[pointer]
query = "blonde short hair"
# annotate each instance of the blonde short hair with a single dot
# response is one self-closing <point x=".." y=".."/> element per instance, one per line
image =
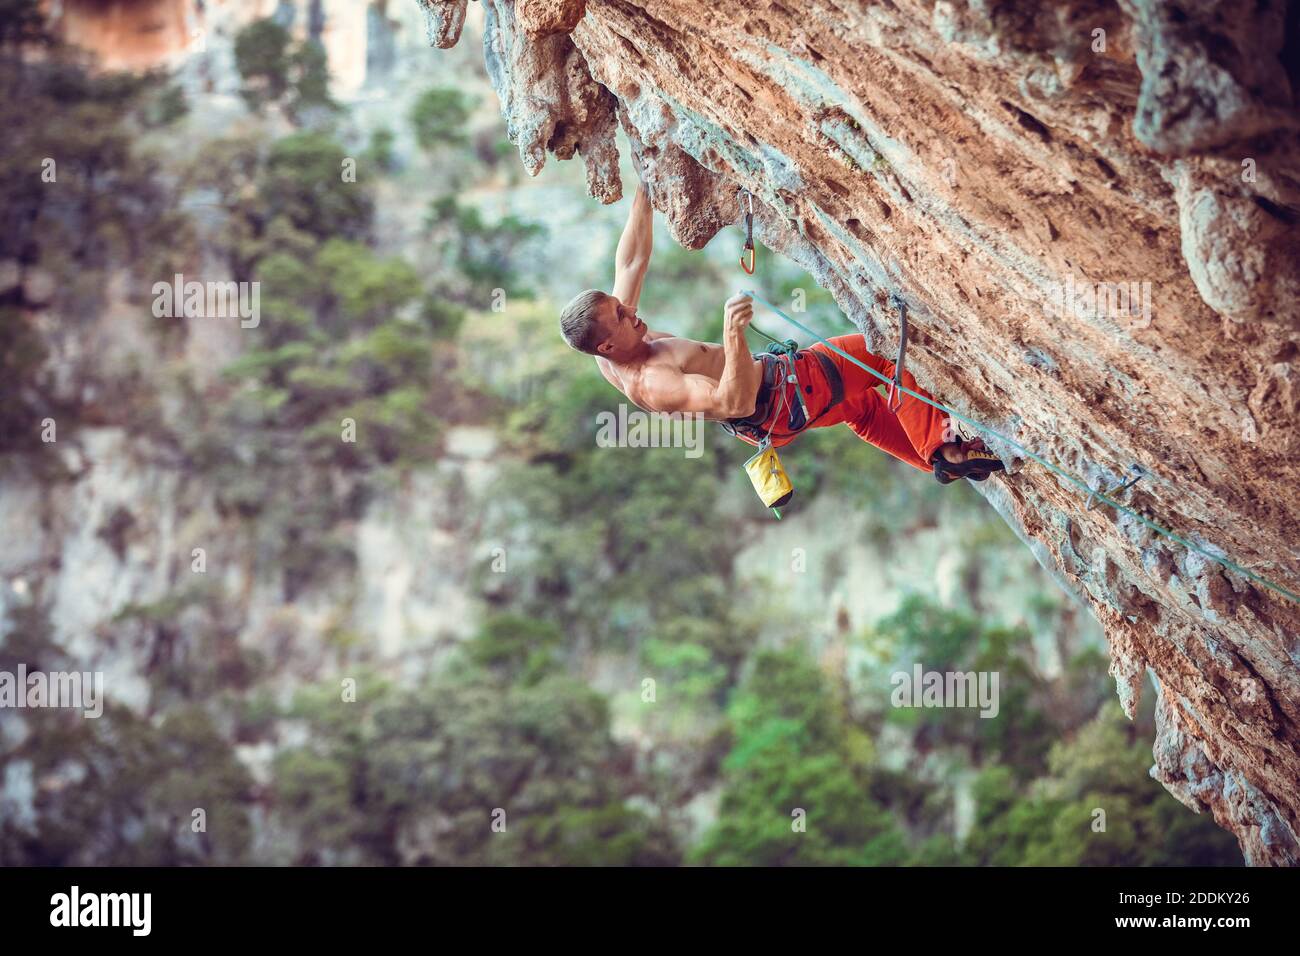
<point x="578" y="321"/>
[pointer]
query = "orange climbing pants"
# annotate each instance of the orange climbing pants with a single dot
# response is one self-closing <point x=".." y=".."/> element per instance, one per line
<point x="911" y="434"/>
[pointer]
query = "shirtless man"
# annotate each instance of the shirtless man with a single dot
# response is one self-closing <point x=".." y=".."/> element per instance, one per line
<point x="753" y="396"/>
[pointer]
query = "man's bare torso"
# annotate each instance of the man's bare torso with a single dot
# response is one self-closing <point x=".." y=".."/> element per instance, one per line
<point x="667" y="352"/>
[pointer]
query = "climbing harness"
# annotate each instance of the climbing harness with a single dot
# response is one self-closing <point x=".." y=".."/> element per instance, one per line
<point x="895" y="387"/>
<point x="785" y="355"/>
<point x="780" y="375"/>
<point x="749" y="236"/>
<point x="780" y="372"/>
<point x="764" y="468"/>
<point x="1134" y="470"/>
<point x="1104" y="497"/>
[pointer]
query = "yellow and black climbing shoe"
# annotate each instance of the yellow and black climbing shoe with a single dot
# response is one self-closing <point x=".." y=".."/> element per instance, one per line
<point x="979" y="463"/>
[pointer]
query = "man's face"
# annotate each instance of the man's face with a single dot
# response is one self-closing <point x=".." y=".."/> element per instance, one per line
<point x="621" y="327"/>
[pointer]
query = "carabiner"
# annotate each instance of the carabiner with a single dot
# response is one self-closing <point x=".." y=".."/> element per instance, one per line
<point x="748" y="247"/>
<point x="749" y="269"/>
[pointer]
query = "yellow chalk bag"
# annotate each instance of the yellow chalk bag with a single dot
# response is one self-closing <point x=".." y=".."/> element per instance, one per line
<point x="769" y="478"/>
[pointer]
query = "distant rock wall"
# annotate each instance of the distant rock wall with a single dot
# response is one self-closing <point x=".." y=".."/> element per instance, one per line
<point x="126" y="34"/>
<point x="144" y="34"/>
<point x="1012" y="170"/>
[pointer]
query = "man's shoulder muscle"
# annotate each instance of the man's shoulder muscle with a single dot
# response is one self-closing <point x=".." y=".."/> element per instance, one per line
<point x="627" y="381"/>
<point x="606" y="368"/>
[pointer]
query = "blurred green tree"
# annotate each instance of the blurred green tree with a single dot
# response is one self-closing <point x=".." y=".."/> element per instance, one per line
<point x="1058" y="820"/>
<point x="790" y="754"/>
<point x="421" y="776"/>
<point x="275" y="69"/>
<point x="439" y="117"/>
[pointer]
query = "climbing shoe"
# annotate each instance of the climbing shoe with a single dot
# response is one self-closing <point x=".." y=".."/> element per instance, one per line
<point x="979" y="464"/>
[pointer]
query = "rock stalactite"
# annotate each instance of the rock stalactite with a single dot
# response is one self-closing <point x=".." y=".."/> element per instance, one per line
<point x="1090" y="209"/>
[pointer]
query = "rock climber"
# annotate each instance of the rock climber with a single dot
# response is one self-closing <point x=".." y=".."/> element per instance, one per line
<point x="751" y="394"/>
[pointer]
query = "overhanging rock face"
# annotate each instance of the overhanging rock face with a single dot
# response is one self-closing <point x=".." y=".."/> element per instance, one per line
<point x="1020" y="173"/>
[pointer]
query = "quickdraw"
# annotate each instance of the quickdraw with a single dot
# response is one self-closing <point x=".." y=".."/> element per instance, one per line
<point x="895" y="394"/>
<point x="749" y="237"/>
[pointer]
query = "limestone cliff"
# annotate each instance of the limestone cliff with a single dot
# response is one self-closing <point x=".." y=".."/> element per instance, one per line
<point x="1003" y="167"/>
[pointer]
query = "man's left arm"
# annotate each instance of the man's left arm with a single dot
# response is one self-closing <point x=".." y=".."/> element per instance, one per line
<point x="632" y="258"/>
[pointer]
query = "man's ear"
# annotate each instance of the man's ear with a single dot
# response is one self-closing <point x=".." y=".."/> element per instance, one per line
<point x="604" y="348"/>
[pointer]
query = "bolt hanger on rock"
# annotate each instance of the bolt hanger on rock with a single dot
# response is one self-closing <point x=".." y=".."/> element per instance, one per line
<point x="1136" y="473"/>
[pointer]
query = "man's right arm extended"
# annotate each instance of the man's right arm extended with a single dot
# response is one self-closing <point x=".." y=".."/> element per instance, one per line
<point x="632" y="257"/>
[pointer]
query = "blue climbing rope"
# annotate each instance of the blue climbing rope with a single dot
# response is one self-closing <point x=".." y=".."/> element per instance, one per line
<point x="1056" y="469"/>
